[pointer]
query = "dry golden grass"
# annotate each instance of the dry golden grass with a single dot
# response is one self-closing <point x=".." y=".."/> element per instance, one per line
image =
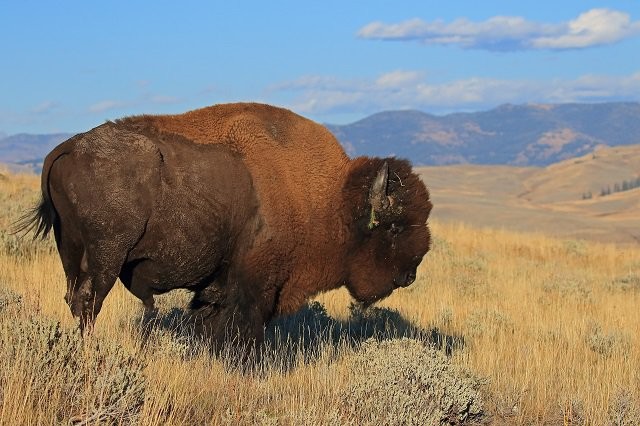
<point x="551" y="324"/>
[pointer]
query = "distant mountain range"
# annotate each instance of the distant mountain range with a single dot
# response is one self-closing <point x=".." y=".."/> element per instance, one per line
<point x="26" y="152"/>
<point x="525" y="135"/>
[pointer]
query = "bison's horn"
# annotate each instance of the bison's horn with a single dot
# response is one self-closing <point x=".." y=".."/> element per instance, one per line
<point x="378" y="194"/>
<point x="382" y="178"/>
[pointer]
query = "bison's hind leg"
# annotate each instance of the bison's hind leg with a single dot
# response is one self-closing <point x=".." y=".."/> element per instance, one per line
<point x="103" y="189"/>
<point x="91" y="265"/>
<point x="72" y="254"/>
<point x="138" y="286"/>
<point x="92" y="245"/>
<point x="99" y="270"/>
<point x="82" y="281"/>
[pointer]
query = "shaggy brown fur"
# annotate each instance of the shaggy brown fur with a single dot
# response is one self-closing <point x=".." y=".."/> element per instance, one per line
<point x="288" y="216"/>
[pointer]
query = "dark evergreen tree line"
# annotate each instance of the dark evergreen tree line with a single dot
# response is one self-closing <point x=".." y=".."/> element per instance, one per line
<point x="626" y="185"/>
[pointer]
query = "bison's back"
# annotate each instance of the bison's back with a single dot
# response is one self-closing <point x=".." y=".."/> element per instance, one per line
<point x="295" y="163"/>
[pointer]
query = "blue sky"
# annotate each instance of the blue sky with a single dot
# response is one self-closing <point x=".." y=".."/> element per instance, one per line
<point x="69" y="65"/>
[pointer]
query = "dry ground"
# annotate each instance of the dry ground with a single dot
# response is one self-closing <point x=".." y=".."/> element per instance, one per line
<point x="551" y="325"/>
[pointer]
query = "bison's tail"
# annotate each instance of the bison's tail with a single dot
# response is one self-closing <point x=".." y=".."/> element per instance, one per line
<point x="38" y="219"/>
<point x="42" y="217"/>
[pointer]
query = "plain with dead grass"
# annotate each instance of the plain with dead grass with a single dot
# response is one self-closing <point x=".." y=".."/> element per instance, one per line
<point x="500" y="327"/>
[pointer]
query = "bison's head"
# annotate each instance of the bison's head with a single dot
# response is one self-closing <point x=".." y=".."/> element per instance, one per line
<point x="389" y="207"/>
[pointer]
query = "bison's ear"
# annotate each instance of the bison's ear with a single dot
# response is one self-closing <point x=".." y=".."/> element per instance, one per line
<point x="378" y="194"/>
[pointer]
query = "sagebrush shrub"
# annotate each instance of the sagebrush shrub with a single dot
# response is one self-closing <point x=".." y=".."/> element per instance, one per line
<point x="629" y="282"/>
<point x="624" y="409"/>
<point x="487" y="322"/>
<point x="576" y="247"/>
<point x="9" y="299"/>
<point x="577" y="289"/>
<point x="606" y="343"/>
<point x="441" y="247"/>
<point x="24" y="246"/>
<point x="405" y="382"/>
<point x="306" y="326"/>
<point x="95" y="380"/>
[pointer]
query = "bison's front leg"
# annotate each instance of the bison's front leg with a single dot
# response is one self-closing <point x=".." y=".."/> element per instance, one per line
<point x="227" y="317"/>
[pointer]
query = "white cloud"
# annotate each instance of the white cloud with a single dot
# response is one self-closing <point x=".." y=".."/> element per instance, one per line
<point x="409" y="90"/>
<point x="504" y="33"/>
<point x="595" y="88"/>
<point x="398" y="78"/>
<point x="106" y="105"/>
<point x="592" y="28"/>
<point x="317" y="82"/>
<point x="44" y="107"/>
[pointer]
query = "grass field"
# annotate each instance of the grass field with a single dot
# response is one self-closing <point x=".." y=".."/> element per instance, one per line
<point x="528" y="330"/>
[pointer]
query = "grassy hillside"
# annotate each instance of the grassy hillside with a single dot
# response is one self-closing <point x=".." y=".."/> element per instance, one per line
<point x="564" y="182"/>
<point x="548" y="199"/>
<point x="529" y="330"/>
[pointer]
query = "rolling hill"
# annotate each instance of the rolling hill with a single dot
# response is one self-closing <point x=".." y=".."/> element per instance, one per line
<point x="544" y="199"/>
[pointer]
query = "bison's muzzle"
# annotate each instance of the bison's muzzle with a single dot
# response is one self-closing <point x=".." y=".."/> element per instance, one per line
<point x="406" y="279"/>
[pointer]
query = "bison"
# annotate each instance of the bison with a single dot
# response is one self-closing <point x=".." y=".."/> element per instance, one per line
<point x="252" y="207"/>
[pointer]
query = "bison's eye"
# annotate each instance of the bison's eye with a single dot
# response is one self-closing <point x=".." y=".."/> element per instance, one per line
<point x="395" y="229"/>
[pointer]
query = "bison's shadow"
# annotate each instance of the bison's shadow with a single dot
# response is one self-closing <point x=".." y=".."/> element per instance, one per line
<point x="310" y="330"/>
<point x="305" y="335"/>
